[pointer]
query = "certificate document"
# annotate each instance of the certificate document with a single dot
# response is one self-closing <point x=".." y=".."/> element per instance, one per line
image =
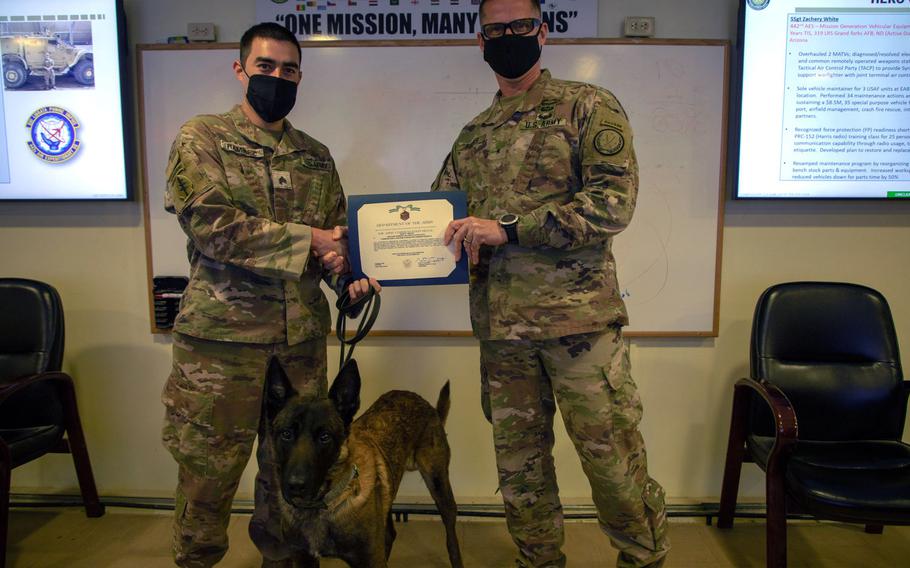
<point x="397" y="238"/>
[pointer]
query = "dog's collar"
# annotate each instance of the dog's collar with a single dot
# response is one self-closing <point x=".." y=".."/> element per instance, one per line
<point x="336" y="490"/>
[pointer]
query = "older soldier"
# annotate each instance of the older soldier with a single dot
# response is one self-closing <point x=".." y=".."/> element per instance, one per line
<point x="257" y="200"/>
<point x="551" y="176"/>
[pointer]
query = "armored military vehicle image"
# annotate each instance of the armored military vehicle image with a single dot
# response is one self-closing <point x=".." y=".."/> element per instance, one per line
<point x="24" y="56"/>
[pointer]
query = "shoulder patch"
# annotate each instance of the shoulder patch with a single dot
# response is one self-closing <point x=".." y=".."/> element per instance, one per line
<point x="609" y="142"/>
<point x="242" y="150"/>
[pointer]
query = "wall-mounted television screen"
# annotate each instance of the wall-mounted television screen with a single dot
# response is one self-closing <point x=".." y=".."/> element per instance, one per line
<point x="63" y="100"/>
<point x="825" y="99"/>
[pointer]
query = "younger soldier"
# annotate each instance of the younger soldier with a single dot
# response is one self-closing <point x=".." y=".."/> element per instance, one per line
<point x="257" y="200"/>
<point x="50" y="80"/>
<point x="551" y="176"/>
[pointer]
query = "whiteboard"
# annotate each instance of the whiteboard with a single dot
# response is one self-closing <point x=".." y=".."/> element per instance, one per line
<point x="389" y="113"/>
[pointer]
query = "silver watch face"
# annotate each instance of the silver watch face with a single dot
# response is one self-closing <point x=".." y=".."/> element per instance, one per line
<point x="508" y="219"/>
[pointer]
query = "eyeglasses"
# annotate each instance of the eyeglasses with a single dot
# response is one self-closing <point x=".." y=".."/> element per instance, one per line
<point x="522" y="26"/>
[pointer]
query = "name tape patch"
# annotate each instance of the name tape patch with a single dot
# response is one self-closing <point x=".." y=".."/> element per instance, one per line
<point x="242" y="150"/>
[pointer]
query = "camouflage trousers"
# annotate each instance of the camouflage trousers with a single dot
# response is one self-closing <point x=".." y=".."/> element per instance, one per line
<point x="213" y="401"/>
<point x="589" y="377"/>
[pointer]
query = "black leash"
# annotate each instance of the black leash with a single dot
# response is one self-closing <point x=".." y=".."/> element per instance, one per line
<point x="368" y="304"/>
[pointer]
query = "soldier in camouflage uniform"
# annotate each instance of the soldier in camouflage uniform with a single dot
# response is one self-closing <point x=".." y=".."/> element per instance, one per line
<point x="551" y="176"/>
<point x="257" y="200"/>
<point x="50" y="79"/>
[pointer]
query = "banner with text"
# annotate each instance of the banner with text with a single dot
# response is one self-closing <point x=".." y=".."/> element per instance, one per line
<point x="411" y="19"/>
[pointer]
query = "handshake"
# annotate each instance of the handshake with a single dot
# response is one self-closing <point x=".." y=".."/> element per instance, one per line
<point x="330" y="246"/>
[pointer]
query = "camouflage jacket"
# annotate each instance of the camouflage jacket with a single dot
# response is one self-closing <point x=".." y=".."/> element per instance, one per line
<point x="247" y="205"/>
<point x="560" y="157"/>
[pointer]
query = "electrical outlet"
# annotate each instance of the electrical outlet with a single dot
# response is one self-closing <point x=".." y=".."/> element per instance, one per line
<point x="639" y="26"/>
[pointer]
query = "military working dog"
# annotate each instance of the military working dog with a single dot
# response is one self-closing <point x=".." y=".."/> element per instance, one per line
<point x="338" y="479"/>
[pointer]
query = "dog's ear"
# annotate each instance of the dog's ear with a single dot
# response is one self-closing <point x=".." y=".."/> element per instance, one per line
<point x="278" y="388"/>
<point x="345" y="391"/>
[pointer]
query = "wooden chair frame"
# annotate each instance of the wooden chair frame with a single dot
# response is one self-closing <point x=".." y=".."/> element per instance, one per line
<point x="786" y="435"/>
<point x="73" y="443"/>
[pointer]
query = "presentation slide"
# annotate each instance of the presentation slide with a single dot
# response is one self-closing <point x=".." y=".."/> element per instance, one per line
<point x="825" y="99"/>
<point x="61" y="111"/>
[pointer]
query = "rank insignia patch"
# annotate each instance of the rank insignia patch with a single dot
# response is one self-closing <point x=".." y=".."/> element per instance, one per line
<point x="281" y="180"/>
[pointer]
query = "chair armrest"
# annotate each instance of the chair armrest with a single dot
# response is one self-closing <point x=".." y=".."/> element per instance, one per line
<point x="786" y="430"/>
<point x="15" y="385"/>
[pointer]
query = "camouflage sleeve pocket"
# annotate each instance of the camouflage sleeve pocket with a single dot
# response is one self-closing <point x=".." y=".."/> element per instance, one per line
<point x="187" y="426"/>
<point x="447" y="178"/>
<point x="607" y="136"/>
<point x="184" y="186"/>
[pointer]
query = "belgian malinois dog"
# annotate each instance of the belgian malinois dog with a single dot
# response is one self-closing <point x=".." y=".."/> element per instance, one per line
<point x="338" y="479"/>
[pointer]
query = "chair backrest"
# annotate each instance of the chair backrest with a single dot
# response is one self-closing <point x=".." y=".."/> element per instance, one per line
<point x="31" y="341"/>
<point x="831" y="347"/>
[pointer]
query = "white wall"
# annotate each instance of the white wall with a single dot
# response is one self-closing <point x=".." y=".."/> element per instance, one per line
<point x="95" y="255"/>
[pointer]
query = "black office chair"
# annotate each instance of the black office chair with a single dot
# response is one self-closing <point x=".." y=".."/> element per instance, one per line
<point x="823" y="412"/>
<point x="38" y="411"/>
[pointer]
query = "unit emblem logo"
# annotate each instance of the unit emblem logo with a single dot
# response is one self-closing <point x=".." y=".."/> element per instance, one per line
<point x="53" y="134"/>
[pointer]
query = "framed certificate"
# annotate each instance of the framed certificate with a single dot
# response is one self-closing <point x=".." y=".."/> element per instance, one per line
<point x="397" y="238"/>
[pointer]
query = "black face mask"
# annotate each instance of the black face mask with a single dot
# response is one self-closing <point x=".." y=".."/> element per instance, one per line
<point x="511" y="55"/>
<point x="271" y="97"/>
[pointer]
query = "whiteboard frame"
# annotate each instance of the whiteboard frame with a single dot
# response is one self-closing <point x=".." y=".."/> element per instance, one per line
<point x="722" y="178"/>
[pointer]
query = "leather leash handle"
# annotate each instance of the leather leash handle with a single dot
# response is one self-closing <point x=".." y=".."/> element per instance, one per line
<point x="369" y="304"/>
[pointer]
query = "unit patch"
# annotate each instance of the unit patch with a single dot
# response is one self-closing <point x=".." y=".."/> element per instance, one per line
<point x="53" y="133"/>
<point x="609" y="142"/>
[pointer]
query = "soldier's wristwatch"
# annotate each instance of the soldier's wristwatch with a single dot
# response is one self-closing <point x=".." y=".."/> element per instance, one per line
<point x="509" y="224"/>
